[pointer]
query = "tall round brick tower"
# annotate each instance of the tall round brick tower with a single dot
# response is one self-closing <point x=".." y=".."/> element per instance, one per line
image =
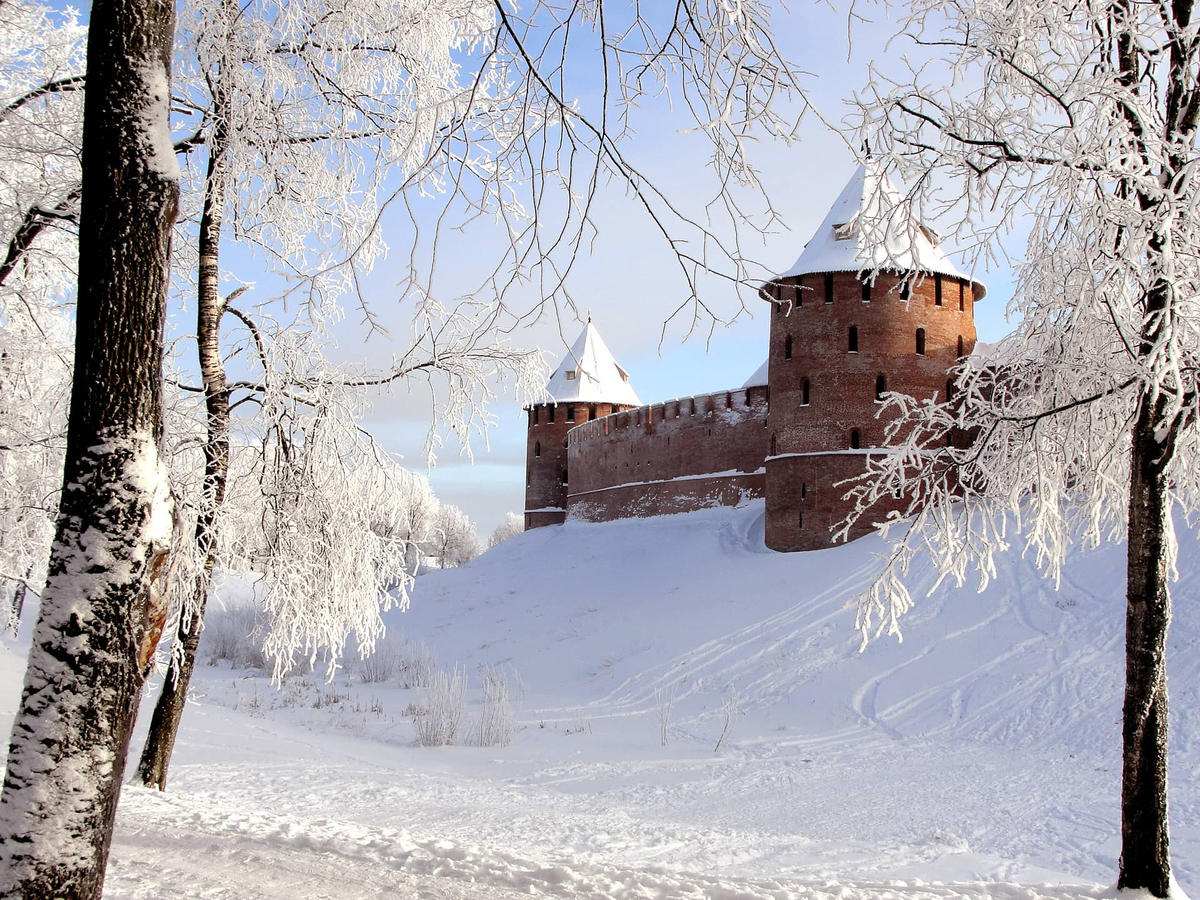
<point x="587" y="384"/>
<point x="872" y="305"/>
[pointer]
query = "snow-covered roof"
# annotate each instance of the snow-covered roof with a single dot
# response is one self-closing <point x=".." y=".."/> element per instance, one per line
<point x="590" y="374"/>
<point x="871" y="227"/>
<point x="759" y="378"/>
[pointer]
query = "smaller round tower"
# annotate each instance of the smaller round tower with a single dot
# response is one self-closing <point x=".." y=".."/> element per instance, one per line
<point x="587" y="384"/>
<point x="872" y="306"/>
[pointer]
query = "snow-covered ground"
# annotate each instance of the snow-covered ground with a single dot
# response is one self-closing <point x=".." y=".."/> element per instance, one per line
<point x="980" y="757"/>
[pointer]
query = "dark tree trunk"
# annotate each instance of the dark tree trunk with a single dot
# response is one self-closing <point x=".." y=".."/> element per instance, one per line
<point x="1145" y="843"/>
<point x="18" y="602"/>
<point x="103" y="606"/>
<point x="168" y="711"/>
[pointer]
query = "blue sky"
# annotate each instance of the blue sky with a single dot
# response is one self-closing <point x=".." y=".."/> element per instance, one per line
<point x="626" y="277"/>
<point x="627" y="282"/>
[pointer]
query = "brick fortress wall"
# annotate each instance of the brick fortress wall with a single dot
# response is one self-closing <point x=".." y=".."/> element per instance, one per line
<point x="546" y="457"/>
<point x="832" y="346"/>
<point x="669" y="457"/>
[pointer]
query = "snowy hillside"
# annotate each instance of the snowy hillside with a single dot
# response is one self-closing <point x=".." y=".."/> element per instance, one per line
<point x="984" y="748"/>
<point x="598" y="616"/>
<point x="994" y="726"/>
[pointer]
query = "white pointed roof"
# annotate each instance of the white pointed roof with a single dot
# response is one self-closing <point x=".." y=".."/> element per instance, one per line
<point x="597" y="376"/>
<point x="871" y="227"/>
<point x="759" y="378"/>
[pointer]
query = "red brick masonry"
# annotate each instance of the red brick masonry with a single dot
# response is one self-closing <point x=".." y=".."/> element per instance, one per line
<point x="833" y="346"/>
<point x="670" y="457"/>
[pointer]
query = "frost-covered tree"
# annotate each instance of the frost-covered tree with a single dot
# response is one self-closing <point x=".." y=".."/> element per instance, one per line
<point x="1080" y="120"/>
<point x="512" y="525"/>
<point x="41" y="116"/>
<point x="35" y="373"/>
<point x="299" y="113"/>
<point x="103" y="606"/>
<point x="453" y="541"/>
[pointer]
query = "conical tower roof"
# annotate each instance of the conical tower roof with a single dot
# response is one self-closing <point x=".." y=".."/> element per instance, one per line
<point x="871" y="227"/>
<point x="590" y="374"/>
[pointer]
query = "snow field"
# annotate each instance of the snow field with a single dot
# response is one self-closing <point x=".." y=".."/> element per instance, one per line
<point x="978" y="758"/>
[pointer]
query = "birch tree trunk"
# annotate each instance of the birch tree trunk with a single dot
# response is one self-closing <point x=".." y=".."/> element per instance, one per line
<point x="104" y="604"/>
<point x="168" y="711"/>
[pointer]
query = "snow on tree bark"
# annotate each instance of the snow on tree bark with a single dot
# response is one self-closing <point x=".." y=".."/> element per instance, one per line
<point x="104" y="601"/>
<point x="41" y="117"/>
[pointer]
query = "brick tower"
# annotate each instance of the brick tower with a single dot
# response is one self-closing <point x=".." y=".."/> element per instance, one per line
<point x="587" y="384"/>
<point x="872" y="305"/>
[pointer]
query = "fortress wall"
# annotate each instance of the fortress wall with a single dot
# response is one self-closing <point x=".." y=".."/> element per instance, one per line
<point x="804" y="499"/>
<point x="666" y="497"/>
<point x="842" y="382"/>
<point x="811" y="433"/>
<point x="546" y="457"/>
<point x="646" y="461"/>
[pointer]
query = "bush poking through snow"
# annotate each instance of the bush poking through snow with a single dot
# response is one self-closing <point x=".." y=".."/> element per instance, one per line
<point x="234" y="633"/>
<point x="417" y="665"/>
<point x="441" y="714"/>
<point x="496" y="722"/>
<point x="729" y="711"/>
<point x="664" y="697"/>
<point x="381" y="664"/>
<point x="395" y="658"/>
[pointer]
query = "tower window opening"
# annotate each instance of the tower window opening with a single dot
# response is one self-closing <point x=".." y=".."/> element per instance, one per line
<point x="880" y="387"/>
<point x="591" y="411"/>
<point x="962" y="297"/>
<point x="565" y="440"/>
<point x="960" y="347"/>
<point x="550" y="411"/>
<point x="535" y="415"/>
<point x="905" y="291"/>
<point x="537" y="448"/>
<point x="949" y="389"/>
<point x="528" y="478"/>
<point x="774" y="445"/>
<point x="866" y="290"/>
<point x="853" y="338"/>
<point x="855" y="440"/>
<point x="803" y="490"/>
<point x="787" y="347"/>
<point x="920" y="342"/>
<point x="564" y="476"/>
<point x="828" y="287"/>
<point x="799" y="520"/>
<point x="728" y="400"/>
<point x="804" y="393"/>
<point x="937" y="290"/>
<point x="570" y="413"/>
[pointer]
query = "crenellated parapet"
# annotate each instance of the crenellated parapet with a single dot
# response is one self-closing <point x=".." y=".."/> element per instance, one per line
<point x="680" y="455"/>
